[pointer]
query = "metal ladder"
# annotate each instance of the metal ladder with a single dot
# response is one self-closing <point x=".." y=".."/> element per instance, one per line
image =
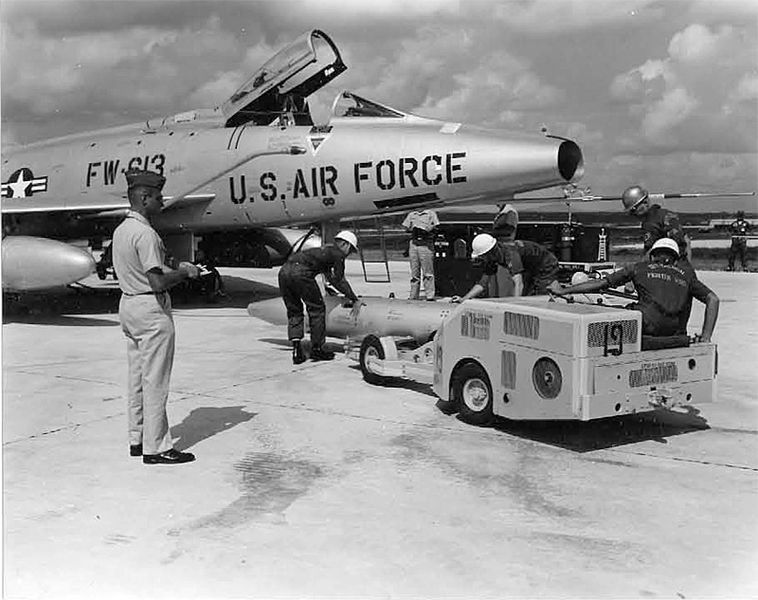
<point x="376" y="268"/>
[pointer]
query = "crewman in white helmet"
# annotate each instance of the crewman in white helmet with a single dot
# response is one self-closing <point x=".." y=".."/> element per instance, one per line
<point x="530" y="265"/>
<point x="665" y="287"/>
<point x="297" y="283"/>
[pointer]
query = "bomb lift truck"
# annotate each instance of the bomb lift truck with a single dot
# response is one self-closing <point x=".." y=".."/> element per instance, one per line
<point x="543" y="359"/>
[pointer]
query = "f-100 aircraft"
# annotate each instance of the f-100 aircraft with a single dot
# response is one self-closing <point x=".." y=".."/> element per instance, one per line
<point x="239" y="174"/>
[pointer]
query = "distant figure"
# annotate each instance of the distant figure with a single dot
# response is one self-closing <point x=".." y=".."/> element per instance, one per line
<point x="739" y="229"/>
<point x="505" y="223"/>
<point x="105" y="264"/>
<point x="421" y="225"/>
<point x="657" y="222"/>
<point x="139" y="258"/>
<point x="297" y="283"/>
<point x="211" y="283"/>
<point x="665" y="287"/>
<point x="504" y="227"/>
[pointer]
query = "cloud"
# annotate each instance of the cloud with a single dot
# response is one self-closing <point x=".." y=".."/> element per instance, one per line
<point x="701" y="96"/>
<point x="497" y="92"/>
<point x="451" y="73"/>
<point x="141" y="70"/>
<point x="554" y="16"/>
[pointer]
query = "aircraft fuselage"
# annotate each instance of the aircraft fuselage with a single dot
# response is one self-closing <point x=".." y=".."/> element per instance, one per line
<point x="348" y="168"/>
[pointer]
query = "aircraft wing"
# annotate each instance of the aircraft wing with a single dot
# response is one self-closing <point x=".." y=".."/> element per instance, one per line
<point x="116" y="208"/>
<point x="25" y="208"/>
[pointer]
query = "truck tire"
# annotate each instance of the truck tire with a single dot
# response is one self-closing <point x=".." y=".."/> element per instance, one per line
<point x="472" y="393"/>
<point x="371" y="347"/>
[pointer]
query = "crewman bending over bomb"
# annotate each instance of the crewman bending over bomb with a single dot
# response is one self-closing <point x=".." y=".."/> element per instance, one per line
<point x="297" y="283"/>
<point x="531" y="265"/>
<point x="665" y="286"/>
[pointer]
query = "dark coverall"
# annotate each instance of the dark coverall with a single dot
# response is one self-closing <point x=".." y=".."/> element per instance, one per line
<point x="665" y="292"/>
<point x="297" y="283"/>
<point x="540" y="267"/>
<point x="739" y="229"/>
<point x="658" y="223"/>
<point x="497" y="278"/>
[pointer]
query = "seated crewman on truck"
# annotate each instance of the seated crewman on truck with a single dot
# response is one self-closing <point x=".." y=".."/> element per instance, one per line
<point x="665" y="285"/>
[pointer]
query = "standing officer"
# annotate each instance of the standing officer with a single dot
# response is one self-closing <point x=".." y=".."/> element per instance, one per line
<point x="739" y="229"/>
<point x="421" y="225"/>
<point x="665" y="287"/>
<point x="145" y="313"/>
<point x="297" y="283"/>
<point x="656" y="221"/>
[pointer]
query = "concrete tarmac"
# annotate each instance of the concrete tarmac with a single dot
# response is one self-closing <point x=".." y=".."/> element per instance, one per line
<point x="311" y="483"/>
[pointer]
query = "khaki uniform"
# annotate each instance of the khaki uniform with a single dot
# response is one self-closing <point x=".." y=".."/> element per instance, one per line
<point x="421" y="224"/>
<point x="149" y="329"/>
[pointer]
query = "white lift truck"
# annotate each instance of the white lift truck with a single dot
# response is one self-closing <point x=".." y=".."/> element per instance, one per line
<point x="543" y="359"/>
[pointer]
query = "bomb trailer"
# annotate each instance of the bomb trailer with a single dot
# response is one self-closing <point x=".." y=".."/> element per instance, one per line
<point x="537" y="358"/>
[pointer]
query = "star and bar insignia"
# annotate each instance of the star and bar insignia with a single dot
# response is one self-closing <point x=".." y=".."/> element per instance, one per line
<point x="23" y="184"/>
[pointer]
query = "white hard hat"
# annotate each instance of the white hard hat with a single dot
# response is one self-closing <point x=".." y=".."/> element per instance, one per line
<point x="482" y="244"/>
<point x="666" y="244"/>
<point x="349" y="237"/>
<point x="579" y="277"/>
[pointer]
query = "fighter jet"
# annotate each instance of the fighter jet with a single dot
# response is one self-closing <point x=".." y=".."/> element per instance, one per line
<point x="240" y="173"/>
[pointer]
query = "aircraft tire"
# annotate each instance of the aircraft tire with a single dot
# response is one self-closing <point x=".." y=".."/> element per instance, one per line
<point x="472" y="392"/>
<point x="371" y="347"/>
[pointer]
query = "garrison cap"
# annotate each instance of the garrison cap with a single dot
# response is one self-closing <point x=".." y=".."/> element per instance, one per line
<point x="136" y="177"/>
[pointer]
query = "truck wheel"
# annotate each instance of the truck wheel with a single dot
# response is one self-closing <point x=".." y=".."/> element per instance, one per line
<point x="473" y="394"/>
<point x="371" y="347"/>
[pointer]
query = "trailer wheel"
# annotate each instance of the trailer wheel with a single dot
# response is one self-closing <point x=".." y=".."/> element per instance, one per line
<point x="371" y="347"/>
<point x="473" y="394"/>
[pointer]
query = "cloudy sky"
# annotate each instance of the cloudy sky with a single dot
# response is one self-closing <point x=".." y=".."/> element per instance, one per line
<point x="663" y="93"/>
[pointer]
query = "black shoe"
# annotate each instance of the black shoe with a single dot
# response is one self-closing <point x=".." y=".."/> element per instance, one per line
<point x="318" y="353"/>
<point x="298" y="356"/>
<point x="169" y="457"/>
<point x="135" y="450"/>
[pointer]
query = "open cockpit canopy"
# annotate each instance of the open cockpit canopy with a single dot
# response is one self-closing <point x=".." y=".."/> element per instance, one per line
<point x="285" y="81"/>
<point x="348" y="104"/>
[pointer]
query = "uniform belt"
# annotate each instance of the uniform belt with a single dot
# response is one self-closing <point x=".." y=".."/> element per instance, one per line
<point x="145" y="293"/>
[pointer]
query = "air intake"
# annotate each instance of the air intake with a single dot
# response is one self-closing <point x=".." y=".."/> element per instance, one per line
<point x="508" y="369"/>
<point x="602" y="334"/>
<point x="520" y="325"/>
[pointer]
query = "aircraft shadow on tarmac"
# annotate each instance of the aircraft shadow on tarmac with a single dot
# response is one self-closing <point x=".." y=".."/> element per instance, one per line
<point x="55" y="306"/>
<point x="205" y="422"/>
<point x="611" y="432"/>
